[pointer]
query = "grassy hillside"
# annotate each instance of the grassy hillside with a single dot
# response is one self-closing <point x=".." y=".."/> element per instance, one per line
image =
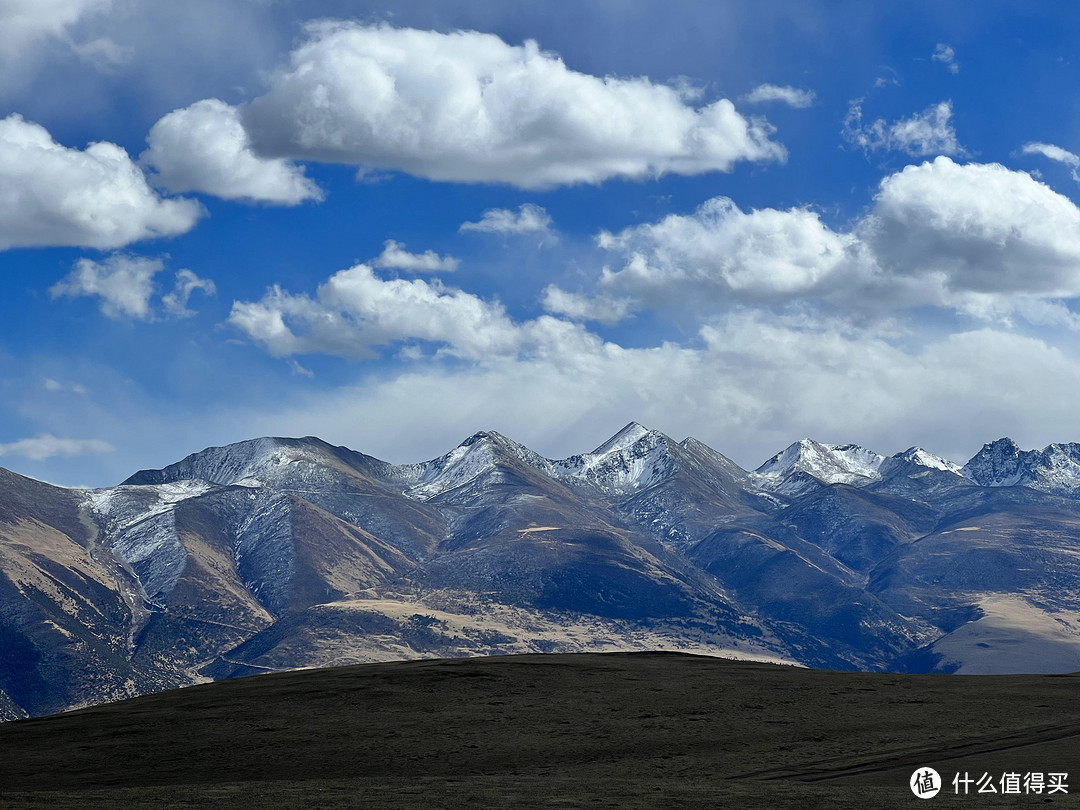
<point x="616" y="730"/>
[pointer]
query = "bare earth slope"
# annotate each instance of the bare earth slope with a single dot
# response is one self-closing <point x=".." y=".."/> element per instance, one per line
<point x="620" y="730"/>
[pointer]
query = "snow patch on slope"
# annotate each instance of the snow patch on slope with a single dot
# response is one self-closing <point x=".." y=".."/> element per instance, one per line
<point x="140" y="526"/>
<point x="120" y="507"/>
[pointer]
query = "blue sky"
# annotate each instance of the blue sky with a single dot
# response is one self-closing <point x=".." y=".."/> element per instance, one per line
<point x="394" y="224"/>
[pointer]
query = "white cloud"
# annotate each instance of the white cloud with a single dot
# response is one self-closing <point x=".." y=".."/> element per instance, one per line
<point x="24" y="22"/>
<point x="1055" y="153"/>
<point x="720" y="253"/>
<point x="529" y="218"/>
<point x="125" y="285"/>
<point x="204" y="148"/>
<point x="469" y="107"/>
<point x="579" y="307"/>
<point x="922" y="135"/>
<point x="299" y="371"/>
<point x="395" y="256"/>
<point x="786" y="94"/>
<point x="104" y="54"/>
<point x="973" y="235"/>
<point x="355" y="311"/>
<point x="47" y="446"/>
<point x="56" y="386"/>
<point x="753" y="385"/>
<point x="978" y="238"/>
<point x="98" y="197"/>
<point x="945" y="54"/>
<point x="175" y="303"/>
<point x="549" y="377"/>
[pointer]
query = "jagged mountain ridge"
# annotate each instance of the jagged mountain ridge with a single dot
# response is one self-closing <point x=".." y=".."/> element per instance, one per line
<point x="273" y="553"/>
<point x="1055" y="468"/>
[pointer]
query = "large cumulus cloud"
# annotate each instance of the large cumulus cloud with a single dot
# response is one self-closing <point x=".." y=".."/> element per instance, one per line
<point x="468" y="107"/>
<point x="721" y="252"/>
<point x="97" y="197"/>
<point x="355" y="311"/>
<point x="204" y="148"/>
<point x="976" y="230"/>
<point x="978" y="238"/>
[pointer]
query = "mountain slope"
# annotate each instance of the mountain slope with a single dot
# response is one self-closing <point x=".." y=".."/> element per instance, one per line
<point x="65" y="606"/>
<point x="276" y="553"/>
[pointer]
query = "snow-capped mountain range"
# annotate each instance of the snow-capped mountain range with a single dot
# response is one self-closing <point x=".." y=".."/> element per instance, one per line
<point x="275" y="553"/>
<point x="633" y="459"/>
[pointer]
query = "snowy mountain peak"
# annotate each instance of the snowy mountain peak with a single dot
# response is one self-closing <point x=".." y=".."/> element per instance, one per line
<point x="479" y="454"/>
<point x="690" y="443"/>
<point x="500" y="445"/>
<point x="632" y="459"/>
<point x="484" y="436"/>
<point x="924" y="458"/>
<point x="238" y="463"/>
<point x="919" y="474"/>
<point x="828" y="463"/>
<point x="1000" y="463"/>
<point x="473" y="457"/>
<point x="1055" y="468"/>
<point x="624" y="439"/>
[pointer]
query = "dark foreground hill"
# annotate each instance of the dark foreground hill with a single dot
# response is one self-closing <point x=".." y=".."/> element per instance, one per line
<point x="618" y="730"/>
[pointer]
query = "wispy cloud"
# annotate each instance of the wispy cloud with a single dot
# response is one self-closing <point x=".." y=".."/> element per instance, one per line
<point x="529" y="218"/>
<point x="578" y="307"/>
<point x="1055" y="153"/>
<point x="176" y="302"/>
<point x="792" y="96"/>
<point x="396" y="257"/>
<point x="945" y="54"/>
<point x="124" y="284"/>
<point x="46" y="446"/>
<point x="56" y="386"/>
<point x="924" y="134"/>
